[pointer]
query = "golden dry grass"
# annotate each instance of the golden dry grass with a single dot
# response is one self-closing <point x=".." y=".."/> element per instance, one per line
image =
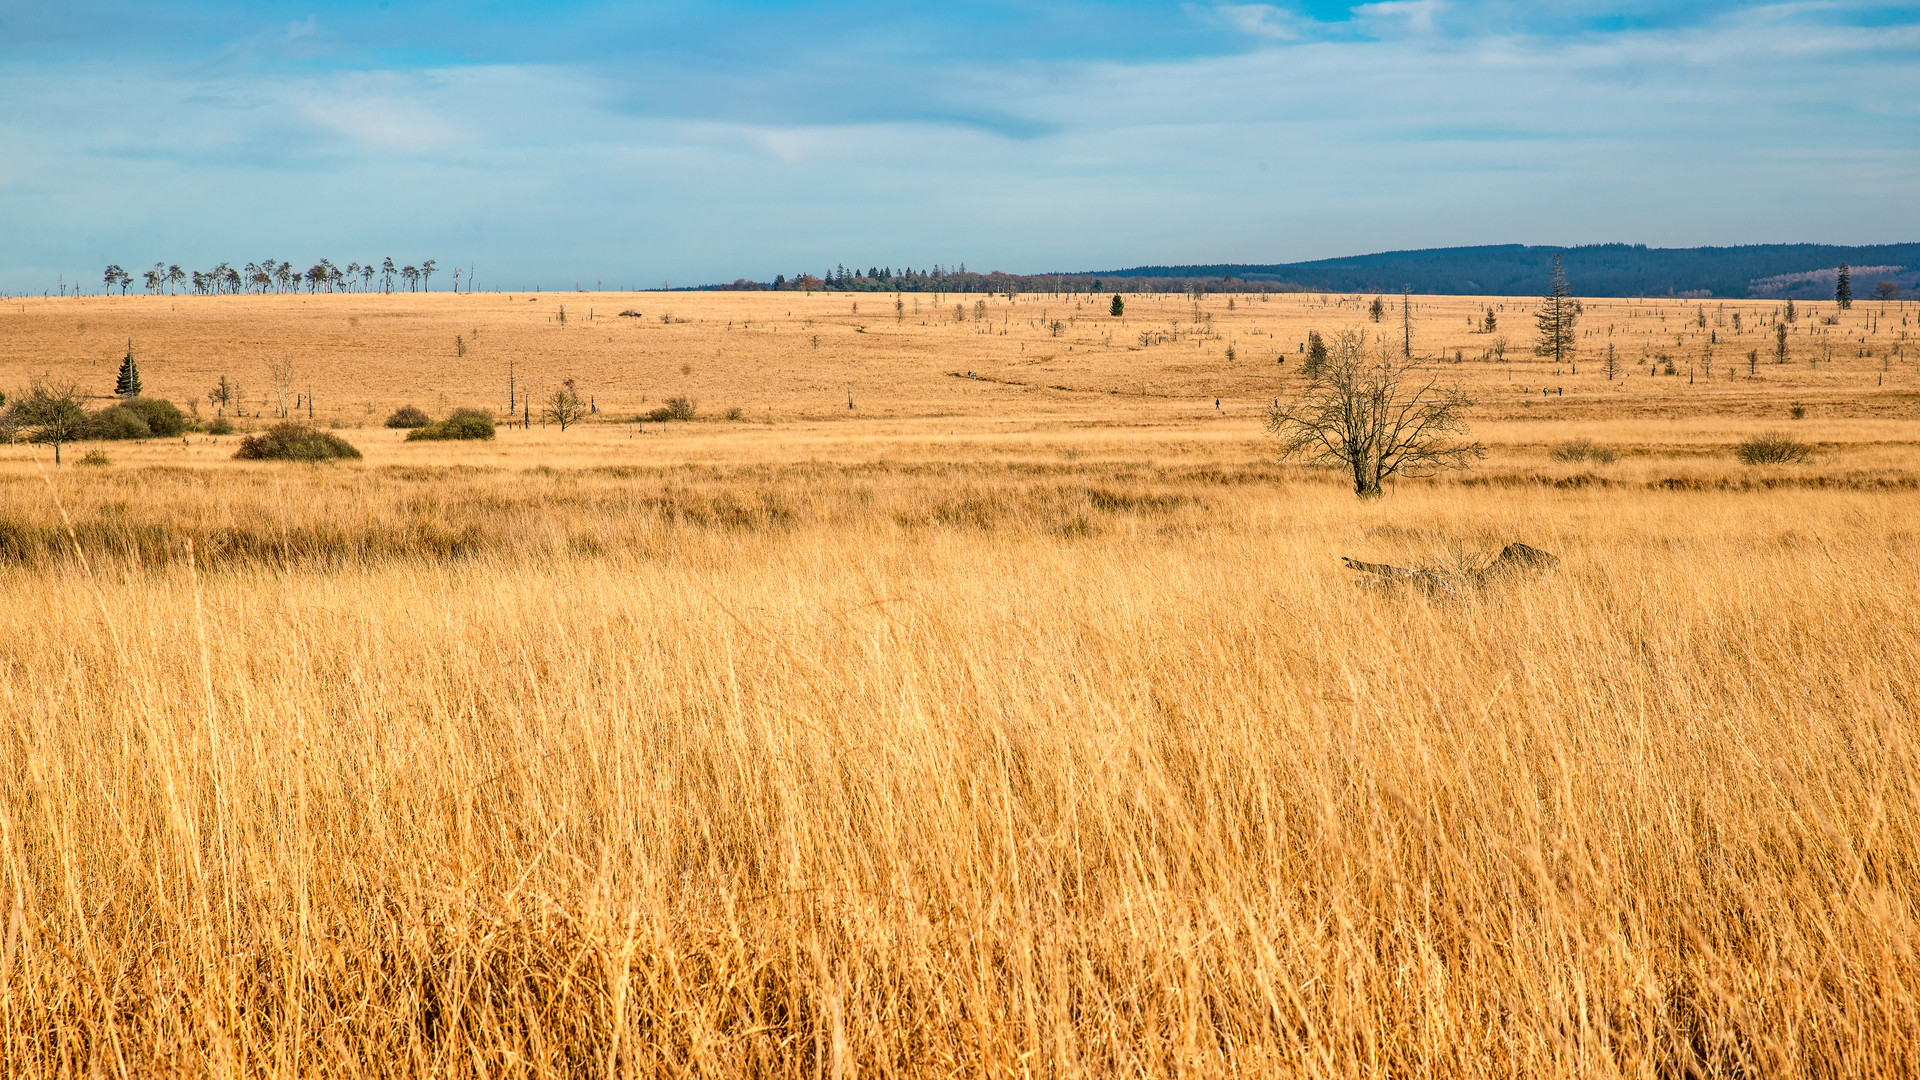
<point x="993" y="731"/>
<point x="799" y="356"/>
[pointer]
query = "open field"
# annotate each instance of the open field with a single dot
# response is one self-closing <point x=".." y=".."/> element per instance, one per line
<point x="982" y="728"/>
<point x="797" y="356"/>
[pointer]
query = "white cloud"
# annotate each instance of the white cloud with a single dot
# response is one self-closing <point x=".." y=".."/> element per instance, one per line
<point x="1259" y="20"/>
<point x="1399" y="16"/>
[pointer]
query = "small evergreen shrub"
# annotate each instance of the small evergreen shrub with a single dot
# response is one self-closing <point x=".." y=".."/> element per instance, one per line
<point x="408" y="416"/>
<point x="163" y="417"/>
<point x="463" y="424"/>
<point x="116" y="422"/>
<point x="220" y="426"/>
<point x="294" y="442"/>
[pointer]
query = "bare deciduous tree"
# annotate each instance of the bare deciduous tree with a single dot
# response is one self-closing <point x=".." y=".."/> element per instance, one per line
<point x="564" y="406"/>
<point x="282" y="372"/>
<point x="1378" y="416"/>
<point x="50" y="413"/>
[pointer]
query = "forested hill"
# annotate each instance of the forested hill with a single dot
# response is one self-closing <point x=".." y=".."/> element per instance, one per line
<point x="1765" y="271"/>
<point x="1760" y="270"/>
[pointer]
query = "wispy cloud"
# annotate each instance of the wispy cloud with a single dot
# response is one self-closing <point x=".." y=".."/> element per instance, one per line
<point x="1259" y="20"/>
<point x="1400" y="16"/>
<point x="701" y="143"/>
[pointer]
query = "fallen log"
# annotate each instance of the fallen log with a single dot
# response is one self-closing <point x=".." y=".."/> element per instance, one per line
<point x="1514" y="560"/>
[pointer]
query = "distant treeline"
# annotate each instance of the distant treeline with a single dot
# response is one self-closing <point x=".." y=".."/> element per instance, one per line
<point x="1770" y="271"/>
<point x="961" y="280"/>
<point x="1757" y="270"/>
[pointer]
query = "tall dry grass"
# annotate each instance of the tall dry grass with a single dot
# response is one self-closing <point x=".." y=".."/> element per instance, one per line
<point x="908" y="769"/>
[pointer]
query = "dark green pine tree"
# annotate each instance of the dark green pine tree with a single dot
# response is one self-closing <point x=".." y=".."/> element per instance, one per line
<point x="1556" y="316"/>
<point x="1118" y="307"/>
<point x="128" y="385"/>
<point x="1843" y="288"/>
<point x="1316" y="354"/>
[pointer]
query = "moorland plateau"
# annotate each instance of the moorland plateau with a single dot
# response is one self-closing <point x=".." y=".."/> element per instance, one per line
<point x="966" y="690"/>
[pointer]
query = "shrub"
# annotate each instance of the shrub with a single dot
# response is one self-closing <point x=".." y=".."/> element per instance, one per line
<point x="1583" y="450"/>
<point x="95" y="458"/>
<point x="220" y="426"/>
<point x="163" y="417"/>
<point x="407" y="416"/>
<point x="736" y="414"/>
<point x="294" y="442"/>
<point x="676" y="408"/>
<point x="116" y="422"/>
<point x="463" y="424"/>
<point x="1797" y="412"/>
<point x="1772" y="448"/>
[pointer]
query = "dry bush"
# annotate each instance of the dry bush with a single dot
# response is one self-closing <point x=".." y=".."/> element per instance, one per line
<point x="1573" y="450"/>
<point x="1772" y="448"/>
<point x="460" y="424"/>
<point x="409" y="416"/>
<point x="294" y="442"/>
<point x="675" y="408"/>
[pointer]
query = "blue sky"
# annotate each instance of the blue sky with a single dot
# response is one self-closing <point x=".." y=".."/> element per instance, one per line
<point x="633" y="144"/>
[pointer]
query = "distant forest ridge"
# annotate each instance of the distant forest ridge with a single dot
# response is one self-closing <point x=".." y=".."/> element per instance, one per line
<point x="1763" y="271"/>
<point x="1768" y="271"/>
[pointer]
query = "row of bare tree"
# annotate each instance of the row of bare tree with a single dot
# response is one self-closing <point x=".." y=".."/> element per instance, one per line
<point x="280" y="277"/>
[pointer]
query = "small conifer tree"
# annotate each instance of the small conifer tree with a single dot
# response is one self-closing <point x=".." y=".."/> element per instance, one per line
<point x="1843" y="288"/>
<point x="128" y="385"/>
<point x="1316" y="354"/>
<point x="1555" y="318"/>
<point x="1118" y="307"/>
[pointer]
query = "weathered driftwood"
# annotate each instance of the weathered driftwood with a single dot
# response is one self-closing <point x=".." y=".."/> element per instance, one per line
<point x="1514" y="559"/>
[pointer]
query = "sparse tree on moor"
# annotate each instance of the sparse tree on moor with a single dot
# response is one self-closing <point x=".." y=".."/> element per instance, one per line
<point x="128" y="384"/>
<point x="1556" y="315"/>
<point x="564" y="406"/>
<point x="1843" y="287"/>
<point x="1316" y="354"/>
<point x="1376" y="415"/>
<point x="50" y="413"/>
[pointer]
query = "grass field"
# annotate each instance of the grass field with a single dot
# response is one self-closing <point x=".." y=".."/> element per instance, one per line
<point x="984" y="728"/>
